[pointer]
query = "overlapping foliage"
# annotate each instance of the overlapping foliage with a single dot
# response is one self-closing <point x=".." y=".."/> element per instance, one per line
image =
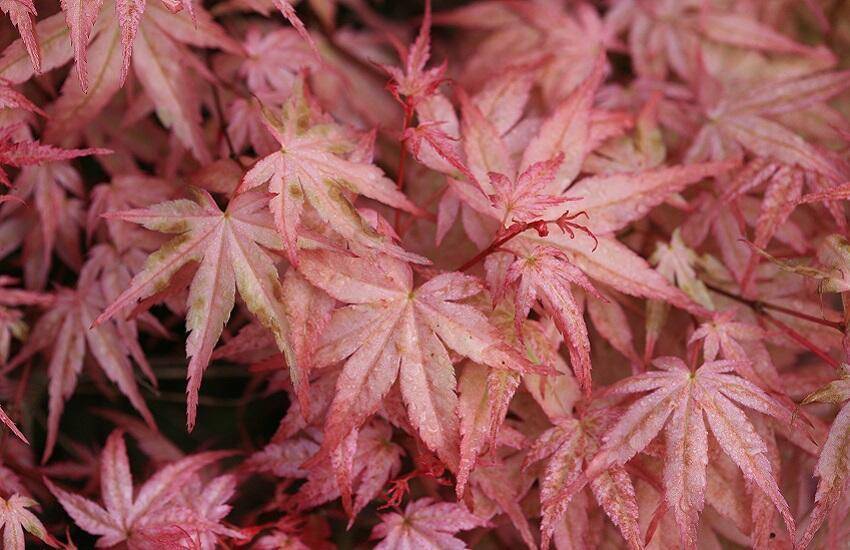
<point x="489" y="274"/>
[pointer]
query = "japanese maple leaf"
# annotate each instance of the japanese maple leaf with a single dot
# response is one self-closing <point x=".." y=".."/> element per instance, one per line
<point x="563" y="43"/>
<point x="15" y="518"/>
<point x="309" y="166"/>
<point x="832" y="467"/>
<point x="666" y="35"/>
<point x="63" y="334"/>
<point x="49" y="215"/>
<point x="551" y="160"/>
<point x="436" y="148"/>
<point x="770" y="215"/>
<point x="230" y="248"/>
<point x="362" y="466"/>
<point x="246" y="126"/>
<point x="274" y="60"/>
<point x="750" y="118"/>
<point x="206" y="503"/>
<point x="11" y="323"/>
<point x="156" y="42"/>
<point x="727" y="223"/>
<point x="547" y="273"/>
<point x="725" y="338"/>
<point x="18" y="153"/>
<point x="125" y="192"/>
<point x="414" y="83"/>
<point x="426" y="525"/>
<point x="676" y="261"/>
<point x="682" y="401"/>
<point x="22" y="14"/>
<point x="523" y="199"/>
<point x="284" y="458"/>
<point x="569" y="446"/>
<point x="128" y="16"/>
<point x="357" y="471"/>
<point x="153" y="515"/>
<point x="393" y="331"/>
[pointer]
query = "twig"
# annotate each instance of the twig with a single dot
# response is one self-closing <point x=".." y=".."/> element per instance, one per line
<point x="223" y="128"/>
<point x="759" y="306"/>
<point x="802" y="340"/>
<point x="541" y="226"/>
<point x="408" y="117"/>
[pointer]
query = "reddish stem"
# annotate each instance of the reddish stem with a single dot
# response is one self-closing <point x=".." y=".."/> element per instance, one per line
<point x="408" y="117"/>
<point x="806" y="317"/>
<point x="511" y="232"/>
<point x="759" y="306"/>
<point x="564" y="222"/>
<point x="428" y="203"/>
<point x="222" y="129"/>
<point x="802" y="340"/>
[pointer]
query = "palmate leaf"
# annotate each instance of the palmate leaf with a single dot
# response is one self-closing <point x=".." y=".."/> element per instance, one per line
<point x="680" y="402"/>
<point x="750" y="119"/>
<point x="569" y="446"/>
<point x="832" y="466"/>
<point x="15" y="518"/>
<point x="547" y="274"/>
<point x="231" y="249"/>
<point x="62" y="334"/>
<point x="309" y="169"/>
<point x="425" y="524"/>
<point x="155" y="43"/>
<point x="127" y="17"/>
<point x="392" y="331"/>
<point x="357" y="472"/>
<point x="22" y="14"/>
<point x="154" y="511"/>
<point x="413" y="83"/>
<point x="18" y="153"/>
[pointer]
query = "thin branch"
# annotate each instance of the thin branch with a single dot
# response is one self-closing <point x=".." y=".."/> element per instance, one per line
<point x="408" y="117"/>
<point x="564" y="222"/>
<point x="223" y="128"/>
<point x="760" y="306"/>
<point x="802" y="340"/>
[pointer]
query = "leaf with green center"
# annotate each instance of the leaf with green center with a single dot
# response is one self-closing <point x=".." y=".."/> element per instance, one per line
<point x="231" y="249"/>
